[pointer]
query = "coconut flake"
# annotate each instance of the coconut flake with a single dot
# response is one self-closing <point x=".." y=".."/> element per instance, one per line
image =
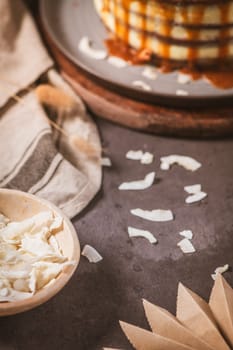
<point x="147" y="158"/>
<point x="36" y="246"/>
<point x="91" y="254"/>
<point x="186" y="246"/>
<point x="85" y="47"/>
<point x="44" y="219"/>
<point x="14" y="295"/>
<point x="4" y="292"/>
<point x="197" y="197"/>
<point x="184" y="161"/>
<point x="134" y="232"/>
<point x="8" y="253"/>
<point x="57" y="224"/>
<point x="32" y="281"/>
<point x="46" y="271"/>
<point x="150" y="73"/>
<point x="139" y="185"/>
<point x="20" y="270"/>
<point x="134" y="155"/>
<point x="193" y="189"/>
<point x="220" y="270"/>
<point x="117" y="62"/>
<point x="142" y="85"/>
<point x="187" y="234"/>
<point x="15" y="230"/>
<point x="165" y="166"/>
<point x="106" y="162"/>
<point x="54" y="245"/>
<point x="21" y="285"/>
<point x="157" y="215"/>
<point x="183" y="78"/>
<point x="180" y="92"/>
<point x="3" y="221"/>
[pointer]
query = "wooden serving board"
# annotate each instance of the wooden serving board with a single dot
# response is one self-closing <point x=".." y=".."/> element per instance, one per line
<point x="111" y="105"/>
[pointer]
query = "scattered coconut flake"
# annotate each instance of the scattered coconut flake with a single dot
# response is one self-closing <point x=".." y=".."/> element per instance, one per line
<point x="197" y="197"/>
<point x="220" y="270"/>
<point x="165" y="166"/>
<point x="184" y="161"/>
<point x="147" y="158"/>
<point x="180" y="92"/>
<point x="142" y="85"/>
<point x="193" y="189"/>
<point x="117" y="62"/>
<point x="139" y="185"/>
<point x="184" y="78"/>
<point x="134" y="232"/>
<point x="187" y="234"/>
<point x="91" y="254"/>
<point x="186" y="246"/>
<point x="157" y="215"/>
<point x="106" y="162"/>
<point x="150" y="73"/>
<point x="85" y="47"/>
<point x="134" y="155"/>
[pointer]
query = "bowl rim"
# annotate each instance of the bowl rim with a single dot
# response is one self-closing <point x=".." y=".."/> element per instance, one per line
<point x="43" y="295"/>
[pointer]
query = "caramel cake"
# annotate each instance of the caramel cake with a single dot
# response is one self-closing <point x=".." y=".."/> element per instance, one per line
<point x="184" y="32"/>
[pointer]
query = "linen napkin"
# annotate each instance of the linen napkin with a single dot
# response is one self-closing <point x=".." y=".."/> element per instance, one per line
<point x="47" y="157"/>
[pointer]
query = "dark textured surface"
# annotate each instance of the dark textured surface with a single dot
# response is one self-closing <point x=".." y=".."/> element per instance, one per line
<point x="84" y="316"/>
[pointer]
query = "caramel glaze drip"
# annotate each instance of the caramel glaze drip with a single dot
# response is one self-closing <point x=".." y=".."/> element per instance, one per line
<point x="222" y="78"/>
<point x="115" y="13"/>
<point x="144" y="28"/>
<point x="193" y="35"/>
<point x="166" y="29"/>
<point x="126" y="19"/>
<point x="119" y="46"/>
<point x="105" y="7"/>
<point x="223" y="50"/>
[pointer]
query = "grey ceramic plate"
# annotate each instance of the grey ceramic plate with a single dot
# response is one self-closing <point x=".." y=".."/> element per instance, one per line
<point x="67" y="21"/>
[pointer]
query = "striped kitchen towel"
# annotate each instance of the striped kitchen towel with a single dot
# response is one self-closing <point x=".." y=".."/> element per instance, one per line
<point x="37" y="159"/>
<point x="59" y="158"/>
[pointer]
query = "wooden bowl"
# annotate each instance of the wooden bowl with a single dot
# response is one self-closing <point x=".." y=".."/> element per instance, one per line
<point x="17" y="206"/>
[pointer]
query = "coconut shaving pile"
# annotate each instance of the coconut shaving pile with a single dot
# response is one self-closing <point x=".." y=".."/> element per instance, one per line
<point x="30" y="255"/>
